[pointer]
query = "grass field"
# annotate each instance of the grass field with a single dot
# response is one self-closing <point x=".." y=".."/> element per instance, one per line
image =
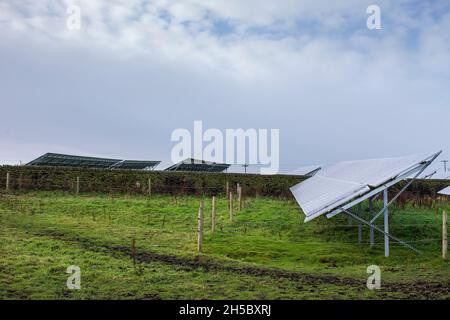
<point x="267" y="252"/>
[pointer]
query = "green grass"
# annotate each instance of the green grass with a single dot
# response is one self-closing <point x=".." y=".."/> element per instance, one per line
<point x="267" y="252"/>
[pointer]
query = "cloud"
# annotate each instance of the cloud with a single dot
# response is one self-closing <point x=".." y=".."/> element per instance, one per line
<point x="139" y="69"/>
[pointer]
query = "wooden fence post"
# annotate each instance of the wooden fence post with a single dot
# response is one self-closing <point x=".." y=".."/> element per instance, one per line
<point x="444" y="235"/>
<point x="78" y="186"/>
<point x="200" y="228"/>
<point x="7" y="181"/>
<point x="231" y="206"/>
<point x="227" y="187"/>
<point x="149" y="186"/>
<point x="239" y="190"/>
<point x="133" y="252"/>
<point x="213" y="214"/>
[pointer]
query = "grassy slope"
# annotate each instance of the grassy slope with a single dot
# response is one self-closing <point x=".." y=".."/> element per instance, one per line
<point x="42" y="233"/>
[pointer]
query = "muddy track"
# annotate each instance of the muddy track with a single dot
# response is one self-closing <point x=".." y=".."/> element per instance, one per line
<point x="410" y="290"/>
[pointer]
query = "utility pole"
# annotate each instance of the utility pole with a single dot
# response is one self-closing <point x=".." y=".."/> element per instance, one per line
<point x="445" y="165"/>
<point x="245" y="165"/>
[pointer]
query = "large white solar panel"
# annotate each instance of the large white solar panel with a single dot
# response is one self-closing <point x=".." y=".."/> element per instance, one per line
<point x="306" y="170"/>
<point x="435" y="173"/>
<point x="445" y="191"/>
<point x="336" y="185"/>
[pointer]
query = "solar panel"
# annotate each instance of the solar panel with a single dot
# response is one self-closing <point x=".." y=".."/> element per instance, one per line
<point x="307" y="171"/>
<point x="338" y="184"/>
<point x="445" y="192"/>
<point x="65" y="160"/>
<point x="194" y="165"/>
<point x="135" y="165"/>
<point x="435" y="174"/>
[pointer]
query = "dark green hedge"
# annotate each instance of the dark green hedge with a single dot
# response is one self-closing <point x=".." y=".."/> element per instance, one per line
<point x="129" y="181"/>
<point x="177" y="183"/>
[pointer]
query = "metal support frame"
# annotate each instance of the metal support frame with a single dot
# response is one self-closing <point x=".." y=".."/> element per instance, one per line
<point x="399" y="193"/>
<point x="372" y="230"/>
<point x="380" y="230"/>
<point x="359" y="225"/>
<point x="386" y="222"/>
<point x="373" y="227"/>
<point x="371" y="195"/>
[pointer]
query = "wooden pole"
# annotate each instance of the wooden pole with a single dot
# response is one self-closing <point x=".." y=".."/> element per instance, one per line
<point x="227" y="192"/>
<point x="133" y="252"/>
<point x="200" y="228"/>
<point x="444" y="236"/>
<point x="213" y="214"/>
<point x="78" y="185"/>
<point x="7" y="181"/>
<point x="149" y="186"/>
<point x="239" y="190"/>
<point x="231" y="206"/>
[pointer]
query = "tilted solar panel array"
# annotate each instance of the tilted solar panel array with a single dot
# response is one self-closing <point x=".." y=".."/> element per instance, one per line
<point x="338" y="184"/>
<point x="64" y="160"/>
<point x="194" y="165"/>
<point x="445" y="192"/>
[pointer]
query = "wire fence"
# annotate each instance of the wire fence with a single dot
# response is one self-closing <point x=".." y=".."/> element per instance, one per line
<point x="165" y="223"/>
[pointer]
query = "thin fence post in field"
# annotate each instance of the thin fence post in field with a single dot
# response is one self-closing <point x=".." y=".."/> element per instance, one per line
<point x="227" y="190"/>
<point x="78" y="186"/>
<point x="200" y="228"/>
<point x="231" y="206"/>
<point x="7" y="181"/>
<point x="228" y="196"/>
<point x="239" y="197"/>
<point x="444" y="235"/>
<point x="133" y="252"/>
<point x="149" y="186"/>
<point x="213" y="214"/>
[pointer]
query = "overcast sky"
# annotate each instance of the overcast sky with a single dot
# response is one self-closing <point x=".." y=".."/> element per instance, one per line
<point x="137" y="70"/>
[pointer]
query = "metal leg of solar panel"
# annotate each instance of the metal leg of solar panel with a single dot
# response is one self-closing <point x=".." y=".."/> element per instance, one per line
<point x="372" y="231"/>
<point x="359" y="224"/>
<point x="359" y="233"/>
<point x="386" y="222"/>
<point x="380" y="230"/>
